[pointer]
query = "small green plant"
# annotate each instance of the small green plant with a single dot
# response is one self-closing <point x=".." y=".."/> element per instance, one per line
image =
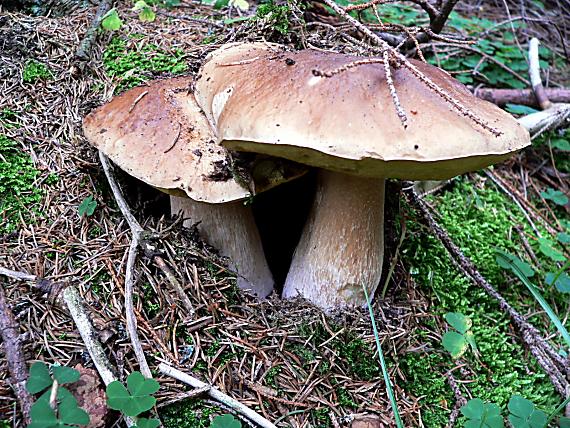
<point x="482" y="415"/>
<point x="524" y="272"/>
<point x="87" y="207"/>
<point x="63" y="411"/>
<point x="134" y="399"/>
<point x="523" y="413"/>
<point x="556" y="196"/>
<point x="457" y="342"/>
<point x="277" y="15"/>
<point x="146" y="14"/>
<point x="34" y="71"/>
<point x="225" y="421"/>
<point x="111" y="20"/>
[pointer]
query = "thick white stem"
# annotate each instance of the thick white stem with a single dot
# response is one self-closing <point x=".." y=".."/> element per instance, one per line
<point x="230" y="228"/>
<point x="342" y="246"/>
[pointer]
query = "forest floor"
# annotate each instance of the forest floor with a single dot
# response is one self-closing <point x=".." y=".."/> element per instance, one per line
<point x="284" y="359"/>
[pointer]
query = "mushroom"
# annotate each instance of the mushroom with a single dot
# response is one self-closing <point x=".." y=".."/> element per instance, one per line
<point x="264" y="99"/>
<point x="158" y="134"/>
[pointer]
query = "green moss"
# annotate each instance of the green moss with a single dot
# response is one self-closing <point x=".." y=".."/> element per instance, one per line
<point x="479" y="220"/>
<point x="19" y="194"/>
<point x="188" y="414"/>
<point x="34" y="71"/>
<point x="138" y="62"/>
<point x="277" y="15"/>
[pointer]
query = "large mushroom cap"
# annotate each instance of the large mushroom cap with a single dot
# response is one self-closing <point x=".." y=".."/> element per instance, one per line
<point x="264" y="99"/>
<point x="158" y="134"/>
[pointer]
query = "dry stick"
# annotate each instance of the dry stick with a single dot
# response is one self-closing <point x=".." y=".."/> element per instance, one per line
<point x="547" y="356"/>
<point x="402" y="61"/>
<point x="460" y="400"/>
<point x="534" y="74"/>
<point x="521" y="96"/>
<point x="87" y="43"/>
<point x="216" y="394"/>
<point x="74" y="303"/>
<point x="137" y="232"/>
<point x="10" y="332"/>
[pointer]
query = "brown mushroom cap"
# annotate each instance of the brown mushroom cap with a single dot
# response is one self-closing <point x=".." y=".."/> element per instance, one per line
<point x="264" y="99"/>
<point x="158" y="134"/>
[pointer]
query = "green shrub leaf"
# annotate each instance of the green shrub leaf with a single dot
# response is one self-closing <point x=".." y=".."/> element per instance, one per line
<point x="39" y="379"/>
<point x="524" y="414"/>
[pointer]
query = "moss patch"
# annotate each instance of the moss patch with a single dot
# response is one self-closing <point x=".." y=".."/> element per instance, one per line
<point x="188" y="414"/>
<point x="132" y="63"/>
<point x="478" y="220"/>
<point x="19" y="194"/>
<point x="34" y="71"/>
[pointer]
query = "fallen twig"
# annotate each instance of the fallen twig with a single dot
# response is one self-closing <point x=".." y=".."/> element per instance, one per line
<point x="137" y="232"/>
<point x="521" y="96"/>
<point x="16" y="362"/>
<point x="74" y="303"/>
<point x="216" y="394"/>
<point x="87" y="43"/>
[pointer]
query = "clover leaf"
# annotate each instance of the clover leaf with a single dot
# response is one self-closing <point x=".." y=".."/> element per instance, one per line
<point x="457" y="342"/>
<point x="524" y="414"/>
<point x="135" y="398"/>
<point x="39" y="379"/>
<point x="482" y="415"/>
<point x="555" y="196"/>
<point x="225" y="421"/>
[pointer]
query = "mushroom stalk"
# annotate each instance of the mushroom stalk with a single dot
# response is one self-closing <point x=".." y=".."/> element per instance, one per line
<point x="342" y="246"/>
<point x="230" y="227"/>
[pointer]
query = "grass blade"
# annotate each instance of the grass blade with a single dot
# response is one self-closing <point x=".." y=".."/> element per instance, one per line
<point x="536" y="294"/>
<point x="389" y="389"/>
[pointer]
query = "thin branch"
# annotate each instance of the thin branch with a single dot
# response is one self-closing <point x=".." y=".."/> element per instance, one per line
<point x="439" y="21"/>
<point x="137" y="232"/>
<point x="534" y="74"/>
<point x="10" y="333"/>
<point x="216" y="394"/>
<point x="86" y="44"/>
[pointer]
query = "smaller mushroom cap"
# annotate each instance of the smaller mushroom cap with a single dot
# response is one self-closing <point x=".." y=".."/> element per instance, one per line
<point x="158" y="134"/>
<point x="264" y="99"/>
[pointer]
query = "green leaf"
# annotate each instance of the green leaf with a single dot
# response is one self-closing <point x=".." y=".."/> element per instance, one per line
<point x="564" y="422"/>
<point x="111" y="21"/>
<point x="87" y="206"/>
<point x="482" y="415"/>
<point x="545" y="247"/>
<point x="242" y="5"/>
<point x="458" y="321"/>
<point x="39" y="379"/>
<point x="71" y="413"/>
<point x="454" y="343"/>
<point x="146" y="14"/>
<point x="562" y="283"/>
<point x="519" y="109"/>
<point x="136" y="399"/>
<point x="524" y="413"/>
<point x="225" y="421"/>
<point x="42" y="415"/>
<point x="148" y="423"/>
<point x="560" y="144"/>
<point x="65" y="374"/>
<point x="564" y="238"/>
<point x="555" y="196"/>
<point x="506" y="261"/>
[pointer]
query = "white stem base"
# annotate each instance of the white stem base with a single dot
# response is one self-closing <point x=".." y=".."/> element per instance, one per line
<point x="230" y="228"/>
<point x="342" y="246"/>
